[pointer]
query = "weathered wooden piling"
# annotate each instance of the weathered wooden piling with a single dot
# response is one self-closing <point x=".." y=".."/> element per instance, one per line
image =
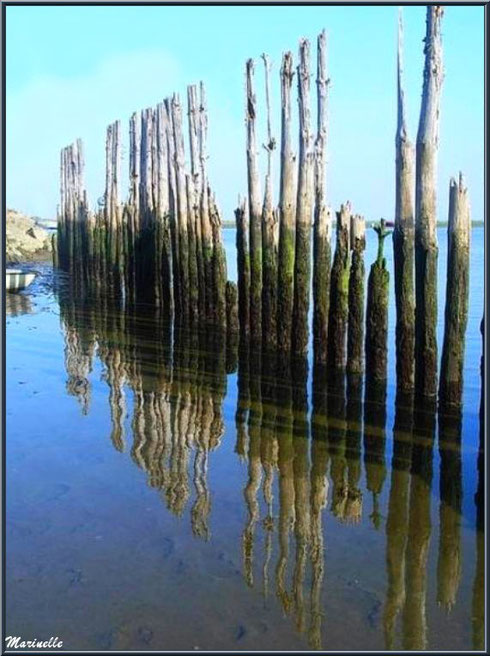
<point x="192" y="252"/>
<point x="457" y="294"/>
<point x="322" y="215"/>
<point x="304" y="207"/>
<point x="355" y="331"/>
<point x="403" y="238"/>
<point x="243" y="266"/>
<point x="73" y="213"/>
<point x="112" y="209"/>
<point x="270" y="234"/>
<point x="163" y="235"/>
<point x="339" y="291"/>
<point x="287" y="208"/>
<point x="173" y="209"/>
<point x="255" y="209"/>
<point x="232" y="326"/>
<point x="219" y="266"/>
<point x="206" y="229"/>
<point x="182" y="227"/>
<point x="377" y="312"/>
<point x="426" y="209"/>
<point x="194" y="207"/>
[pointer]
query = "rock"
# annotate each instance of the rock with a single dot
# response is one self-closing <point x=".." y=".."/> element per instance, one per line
<point x="25" y="239"/>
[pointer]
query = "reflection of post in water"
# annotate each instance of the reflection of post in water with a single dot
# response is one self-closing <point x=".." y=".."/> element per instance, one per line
<point x="451" y="497"/>
<point x="478" y="605"/>
<point x="111" y="354"/>
<point x="353" y="505"/>
<point x="301" y="467"/>
<point x="178" y="491"/>
<point x="254" y="465"/>
<point x="419" y="527"/>
<point x="319" y="495"/>
<point x="79" y="350"/>
<point x="243" y="402"/>
<point x="397" y="522"/>
<point x="375" y="441"/>
<point x="268" y="454"/>
<point x="336" y="440"/>
<point x="284" y="432"/>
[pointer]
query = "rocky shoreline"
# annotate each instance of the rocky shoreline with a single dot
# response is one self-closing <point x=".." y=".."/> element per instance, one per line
<point x="26" y="240"/>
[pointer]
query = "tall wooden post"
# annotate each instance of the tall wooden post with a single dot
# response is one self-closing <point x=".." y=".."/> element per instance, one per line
<point x="403" y="239"/>
<point x="164" y="241"/>
<point x="193" y="115"/>
<point x="243" y="267"/>
<point x="426" y="210"/>
<point x="323" y="221"/>
<point x="206" y="228"/>
<point x="270" y="235"/>
<point x="339" y="291"/>
<point x="355" y="331"/>
<point x="287" y="207"/>
<point x="254" y="209"/>
<point x="304" y="207"/>
<point x="191" y="231"/>
<point x="173" y="220"/>
<point x="181" y="207"/>
<point x="457" y="293"/>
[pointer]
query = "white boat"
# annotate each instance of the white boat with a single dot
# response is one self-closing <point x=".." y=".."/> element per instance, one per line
<point x="15" y="279"/>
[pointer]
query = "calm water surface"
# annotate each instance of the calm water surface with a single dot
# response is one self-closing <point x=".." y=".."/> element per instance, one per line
<point x="163" y="494"/>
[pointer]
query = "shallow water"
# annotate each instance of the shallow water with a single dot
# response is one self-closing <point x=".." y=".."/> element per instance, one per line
<point x="163" y="494"/>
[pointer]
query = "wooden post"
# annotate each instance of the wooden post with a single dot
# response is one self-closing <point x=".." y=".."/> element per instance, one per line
<point x="146" y="175"/>
<point x="174" y="233"/>
<point x="179" y="164"/>
<point x="339" y="291"/>
<point x="403" y="239"/>
<point x="112" y="203"/>
<point x="134" y="197"/>
<point x="355" y="333"/>
<point x="206" y="228"/>
<point x="322" y="218"/>
<point x="243" y="267"/>
<point x="191" y="231"/>
<point x="270" y="235"/>
<point x="254" y="208"/>
<point x="304" y="208"/>
<point x="164" y="240"/>
<point x="377" y="312"/>
<point x="457" y="293"/>
<point x="426" y="211"/>
<point x="193" y="115"/>
<point x="287" y="207"/>
<point x="232" y="326"/>
<point x="219" y="266"/>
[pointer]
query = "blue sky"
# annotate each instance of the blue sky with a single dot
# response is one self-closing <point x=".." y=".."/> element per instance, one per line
<point x="73" y="70"/>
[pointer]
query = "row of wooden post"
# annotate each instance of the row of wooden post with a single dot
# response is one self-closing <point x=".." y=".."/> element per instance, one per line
<point x="165" y="244"/>
<point x="274" y="265"/>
